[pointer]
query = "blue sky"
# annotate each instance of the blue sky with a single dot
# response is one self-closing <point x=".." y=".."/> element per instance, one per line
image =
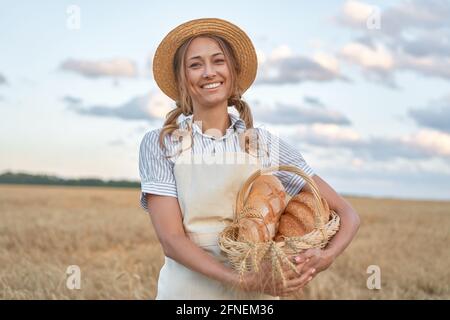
<point x="368" y="104"/>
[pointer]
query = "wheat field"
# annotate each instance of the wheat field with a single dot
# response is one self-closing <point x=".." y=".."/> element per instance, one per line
<point x="45" y="229"/>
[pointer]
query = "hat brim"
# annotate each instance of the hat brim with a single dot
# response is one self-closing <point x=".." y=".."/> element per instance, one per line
<point x="241" y="44"/>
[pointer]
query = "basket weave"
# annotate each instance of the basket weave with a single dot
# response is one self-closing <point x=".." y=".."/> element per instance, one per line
<point x="248" y="256"/>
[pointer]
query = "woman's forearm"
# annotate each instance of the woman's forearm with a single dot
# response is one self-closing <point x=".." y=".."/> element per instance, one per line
<point x="349" y="225"/>
<point x="184" y="251"/>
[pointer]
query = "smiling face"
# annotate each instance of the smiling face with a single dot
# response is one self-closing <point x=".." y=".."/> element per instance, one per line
<point x="207" y="73"/>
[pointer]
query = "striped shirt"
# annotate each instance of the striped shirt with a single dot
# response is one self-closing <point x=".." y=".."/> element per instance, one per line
<point x="156" y="170"/>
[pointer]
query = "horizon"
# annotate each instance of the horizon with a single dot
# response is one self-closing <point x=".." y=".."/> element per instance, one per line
<point x="355" y="195"/>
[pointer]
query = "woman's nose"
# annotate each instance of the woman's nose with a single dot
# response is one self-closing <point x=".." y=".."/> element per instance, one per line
<point x="209" y="71"/>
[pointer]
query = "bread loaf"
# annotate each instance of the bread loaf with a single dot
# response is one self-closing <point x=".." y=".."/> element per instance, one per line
<point x="298" y="217"/>
<point x="266" y="198"/>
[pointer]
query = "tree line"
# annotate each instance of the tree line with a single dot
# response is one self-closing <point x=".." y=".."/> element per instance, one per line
<point x="25" y="178"/>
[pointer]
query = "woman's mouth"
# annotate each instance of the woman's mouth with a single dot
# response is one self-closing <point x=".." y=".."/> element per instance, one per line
<point x="212" y="86"/>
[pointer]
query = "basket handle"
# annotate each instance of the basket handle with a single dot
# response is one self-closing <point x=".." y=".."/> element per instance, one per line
<point x="241" y="197"/>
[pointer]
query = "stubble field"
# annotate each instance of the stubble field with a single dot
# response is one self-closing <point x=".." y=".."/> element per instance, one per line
<point x="46" y="229"/>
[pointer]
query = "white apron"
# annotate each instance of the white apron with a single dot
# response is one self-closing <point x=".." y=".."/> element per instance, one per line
<point x="207" y="187"/>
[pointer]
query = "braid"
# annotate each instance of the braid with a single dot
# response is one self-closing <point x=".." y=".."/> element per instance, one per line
<point x="250" y="140"/>
<point x="172" y="128"/>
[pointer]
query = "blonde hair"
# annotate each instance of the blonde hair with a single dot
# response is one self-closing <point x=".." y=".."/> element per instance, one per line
<point x="184" y="103"/>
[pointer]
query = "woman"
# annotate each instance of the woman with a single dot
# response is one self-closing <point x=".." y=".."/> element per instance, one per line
<point x="192" y="168"/>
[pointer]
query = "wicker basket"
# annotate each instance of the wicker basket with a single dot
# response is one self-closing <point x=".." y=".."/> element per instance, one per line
<point x="247" y="256"/>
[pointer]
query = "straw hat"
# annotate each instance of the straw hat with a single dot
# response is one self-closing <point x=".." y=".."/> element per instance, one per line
<point x="242" y="46"/>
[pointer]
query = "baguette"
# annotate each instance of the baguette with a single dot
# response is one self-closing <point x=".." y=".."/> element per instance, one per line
<point x="298" y="217"/>
<point x="267" y="198"/>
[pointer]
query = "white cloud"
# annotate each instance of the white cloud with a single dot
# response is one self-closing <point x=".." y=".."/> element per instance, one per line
<point x="431" y="141"/>
<point x="424" y="144"/>
<point x="427" y="65"/>
<point x="158" y="105"/>
<point x="281" y="52"/>
<point x="367" y="57"/>
<point x="260" y="56"/>
<point x="316" y="43"/>
<point x="282" y="66"/>
<point x="150" y="107"/>
<point x="355" y="12"/>
<point x="109" y="68"/>
<point x="148" y="69"/>
<point x="399" y="16"/>
<point x="327" y="61"/>
<point x="331" y="132"/>
<point x="357" y="162"/>
<point x="291" y="114"/>
<point x="412" y="36"/>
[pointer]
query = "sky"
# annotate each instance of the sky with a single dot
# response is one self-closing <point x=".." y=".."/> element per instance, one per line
<point x="361" y="89"/>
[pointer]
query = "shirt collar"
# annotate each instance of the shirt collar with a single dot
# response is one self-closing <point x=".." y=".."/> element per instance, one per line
<point x="237" y="125"/>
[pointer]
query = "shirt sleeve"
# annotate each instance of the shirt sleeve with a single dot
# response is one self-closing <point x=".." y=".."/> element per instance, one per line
<point x="155" y="170"/>
<point x="283" y="153"/>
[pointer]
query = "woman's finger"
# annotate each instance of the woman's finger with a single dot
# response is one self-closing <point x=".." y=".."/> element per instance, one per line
<point x="290" y="274"/>
<point x="306" y="281"/>
<point x="290" y="292"/>
<point x="312" y="263"/>
<point x="301" y="281"/>
<point x="310" y="255"/>
<point x="297" y="288"/>
<point x="297" y="259"/>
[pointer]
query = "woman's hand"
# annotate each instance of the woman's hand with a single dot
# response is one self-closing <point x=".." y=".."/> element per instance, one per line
<point x="308" y="264"/>
<point x="314" y="259"/>
<point x="264" y="281"/>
